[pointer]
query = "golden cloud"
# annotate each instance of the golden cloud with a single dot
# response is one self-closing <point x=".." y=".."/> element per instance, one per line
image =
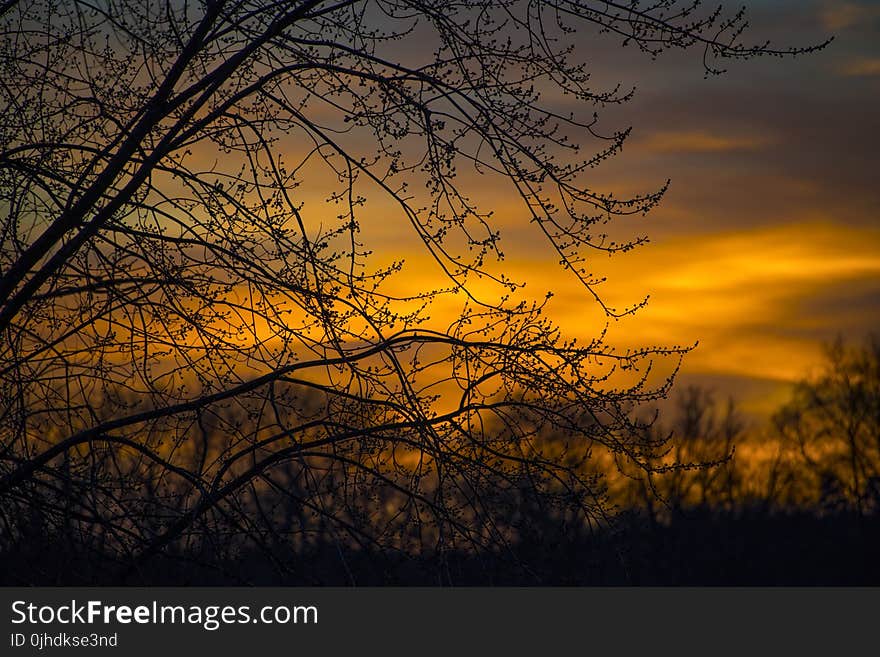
<point x="842" y="15"/>
<point x="861" y="67"/>
<point x="698" y="142"/>
<point x="744" y="295"/>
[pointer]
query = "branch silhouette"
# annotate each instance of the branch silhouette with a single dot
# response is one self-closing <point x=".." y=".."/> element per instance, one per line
<point x="196" y="353"/>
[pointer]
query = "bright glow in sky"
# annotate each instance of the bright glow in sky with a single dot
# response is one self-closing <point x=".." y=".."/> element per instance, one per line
<point x="768" y="243"/>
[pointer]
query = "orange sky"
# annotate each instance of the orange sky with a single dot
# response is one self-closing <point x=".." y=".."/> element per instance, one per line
<point x="768" y="242"/>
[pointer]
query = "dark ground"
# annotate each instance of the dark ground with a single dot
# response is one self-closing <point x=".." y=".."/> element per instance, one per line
<point x="701" y="547"/>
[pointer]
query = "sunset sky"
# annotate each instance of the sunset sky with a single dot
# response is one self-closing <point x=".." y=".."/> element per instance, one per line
<point x="767" y="243"/>
<point x="379" y="292"/>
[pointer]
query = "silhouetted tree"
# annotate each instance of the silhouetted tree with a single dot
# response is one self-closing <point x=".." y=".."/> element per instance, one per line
<point x="696" y="467"/>
<point x="187" y="335"/>
<point x="833" y="424"/>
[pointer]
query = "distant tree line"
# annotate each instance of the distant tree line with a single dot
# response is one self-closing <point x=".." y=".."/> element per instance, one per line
<point x="819" y="451"/>
<point x="793" y="501"/>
